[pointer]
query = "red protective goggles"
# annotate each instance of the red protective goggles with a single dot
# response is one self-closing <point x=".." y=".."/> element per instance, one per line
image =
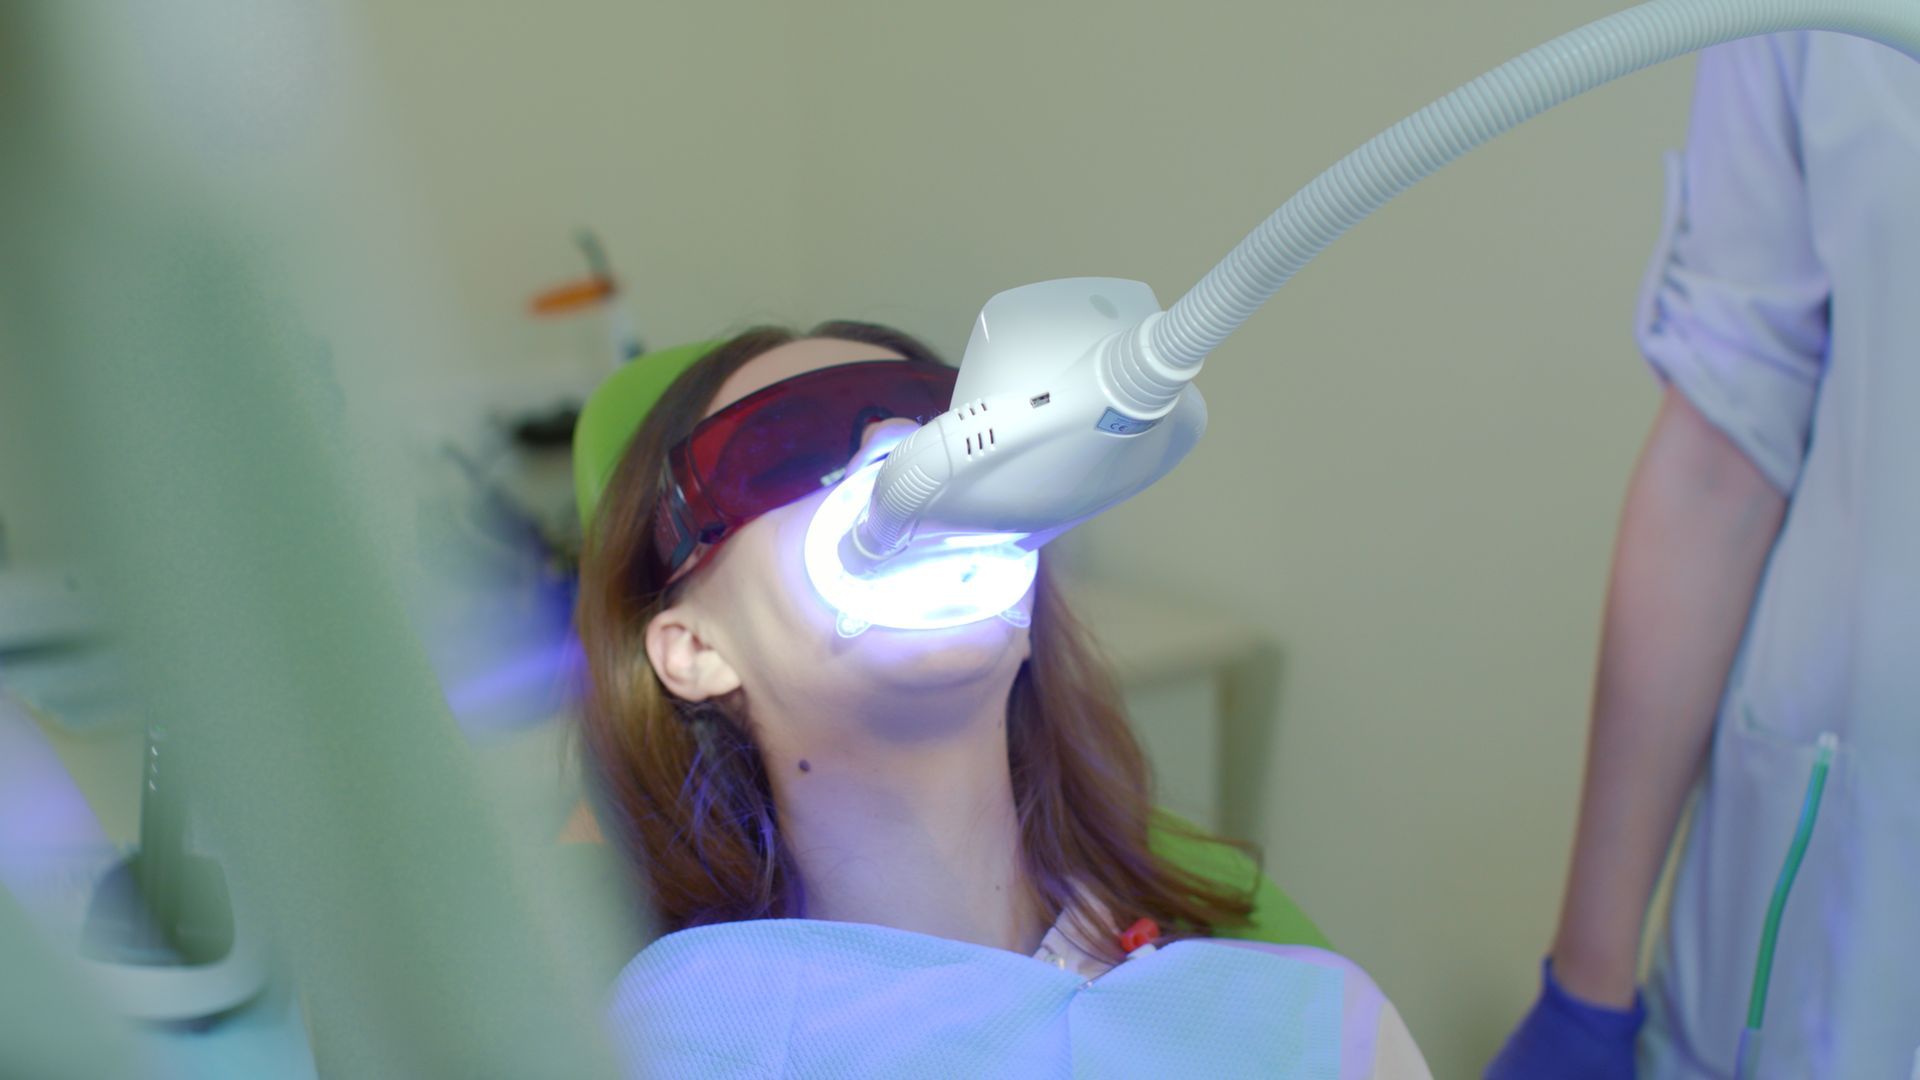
<point x="782" y="443"/>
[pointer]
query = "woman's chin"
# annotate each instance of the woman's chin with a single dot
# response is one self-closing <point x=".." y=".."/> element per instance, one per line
<point x="941" y="659"/>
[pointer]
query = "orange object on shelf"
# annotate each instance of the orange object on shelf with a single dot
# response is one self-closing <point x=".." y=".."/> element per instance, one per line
<point x="573" y="296"/>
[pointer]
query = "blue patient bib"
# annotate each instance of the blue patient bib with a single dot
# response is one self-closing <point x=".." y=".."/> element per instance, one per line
<point x="799" y="997"/>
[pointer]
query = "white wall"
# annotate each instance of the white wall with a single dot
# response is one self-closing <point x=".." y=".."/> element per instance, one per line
<point x="1416" y="452"/>
<point x="668" y="128"/>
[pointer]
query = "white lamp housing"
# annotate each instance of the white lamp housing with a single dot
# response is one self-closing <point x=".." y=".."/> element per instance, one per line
<point x="1060" y="413"/>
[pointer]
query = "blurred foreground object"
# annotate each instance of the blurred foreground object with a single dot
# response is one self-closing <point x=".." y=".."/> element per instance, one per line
<point x="162" y="356"/>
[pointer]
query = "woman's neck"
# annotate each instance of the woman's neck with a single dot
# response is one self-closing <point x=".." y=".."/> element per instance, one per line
<point x="919" y="835"/>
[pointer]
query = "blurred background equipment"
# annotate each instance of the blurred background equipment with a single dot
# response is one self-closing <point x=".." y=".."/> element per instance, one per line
<point x="498" y="511"/>
<point x="51" y="650"/>
<point x="598" y="292"/>
<point x="160" y="934"/>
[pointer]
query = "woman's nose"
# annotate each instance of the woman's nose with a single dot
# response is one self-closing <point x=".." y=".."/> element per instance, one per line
<point x="880" y="437"/>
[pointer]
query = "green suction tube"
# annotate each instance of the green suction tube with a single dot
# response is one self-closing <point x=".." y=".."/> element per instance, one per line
<point x="1747" y="1058"/>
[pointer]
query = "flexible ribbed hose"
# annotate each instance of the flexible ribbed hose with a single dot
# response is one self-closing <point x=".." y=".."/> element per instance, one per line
<point x="1510" y="94"/>
<point x="1149" y="367"/>
<point x="914" y="472"/>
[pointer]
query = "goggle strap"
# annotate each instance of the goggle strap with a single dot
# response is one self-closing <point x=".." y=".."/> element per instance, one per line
<point x="684" y="541"/>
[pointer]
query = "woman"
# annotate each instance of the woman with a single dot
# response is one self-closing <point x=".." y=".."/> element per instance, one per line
<point x="908" y="851"/>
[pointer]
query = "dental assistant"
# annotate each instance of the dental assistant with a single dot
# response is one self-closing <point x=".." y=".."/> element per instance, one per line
<point x="1765" y="590"/>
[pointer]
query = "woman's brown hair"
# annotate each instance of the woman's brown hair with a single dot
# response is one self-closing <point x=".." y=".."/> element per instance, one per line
<point x="682" y="785"/>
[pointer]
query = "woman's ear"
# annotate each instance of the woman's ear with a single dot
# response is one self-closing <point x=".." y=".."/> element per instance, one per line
<point x="688" y="665"/>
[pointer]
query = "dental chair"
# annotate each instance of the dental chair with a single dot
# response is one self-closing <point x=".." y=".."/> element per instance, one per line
<point x="609" y="419"/>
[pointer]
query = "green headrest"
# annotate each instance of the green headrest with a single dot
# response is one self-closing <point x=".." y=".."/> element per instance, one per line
<point x="614" y="412"/>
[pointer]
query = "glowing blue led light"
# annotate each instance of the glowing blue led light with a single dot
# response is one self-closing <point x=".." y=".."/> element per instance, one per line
<point x="952" y="582"/>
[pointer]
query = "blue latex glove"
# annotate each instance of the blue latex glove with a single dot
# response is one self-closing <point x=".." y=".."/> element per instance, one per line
<point x="1565" y="1038"/>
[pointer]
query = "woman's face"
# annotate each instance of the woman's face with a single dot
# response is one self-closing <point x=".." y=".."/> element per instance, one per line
<point x="748" y="618"/>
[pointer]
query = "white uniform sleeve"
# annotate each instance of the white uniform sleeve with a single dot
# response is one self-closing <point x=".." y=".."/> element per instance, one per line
<point x="1733" y="311"/>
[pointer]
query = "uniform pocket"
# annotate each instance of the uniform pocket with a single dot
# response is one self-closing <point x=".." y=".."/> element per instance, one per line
<point x="1743" y="827"/>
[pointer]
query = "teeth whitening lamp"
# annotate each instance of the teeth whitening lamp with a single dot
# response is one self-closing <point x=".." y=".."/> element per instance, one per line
<point x="1075" y="395"/>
